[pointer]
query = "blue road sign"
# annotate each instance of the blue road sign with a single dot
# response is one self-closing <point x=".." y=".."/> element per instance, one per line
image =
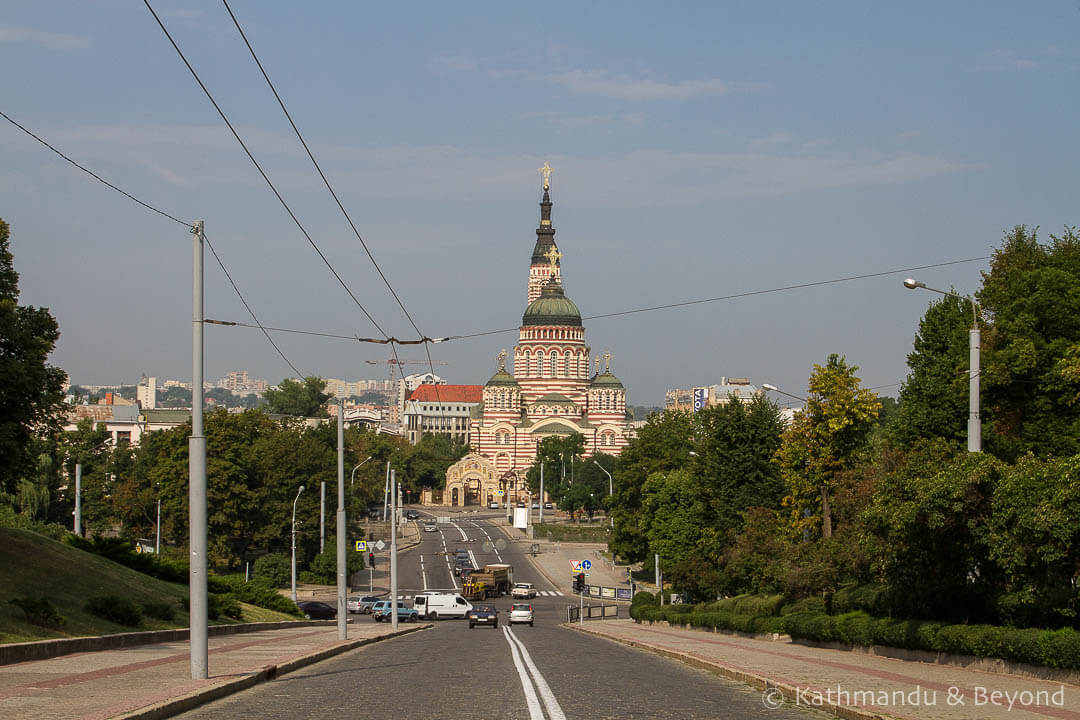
<point x="587" y="564"/>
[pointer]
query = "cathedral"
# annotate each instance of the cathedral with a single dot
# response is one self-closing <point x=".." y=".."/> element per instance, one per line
<point x="552" y="389"/>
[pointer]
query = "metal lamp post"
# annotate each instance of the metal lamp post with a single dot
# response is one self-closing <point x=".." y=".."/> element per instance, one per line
<point x="294" y="542"/>
<point x="767" y="386"/>
<point x="610" y="490"/>
<point x="974" y="427"/>
<point x="352" y="475"/>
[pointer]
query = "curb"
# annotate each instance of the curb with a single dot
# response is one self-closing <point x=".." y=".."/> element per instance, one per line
<point x="229" y="687"/>
<point x="757" y="682"/>
<point x="12" y="653"/>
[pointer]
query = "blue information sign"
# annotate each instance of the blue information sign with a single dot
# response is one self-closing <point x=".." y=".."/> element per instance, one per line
<point x="587" y="564"/>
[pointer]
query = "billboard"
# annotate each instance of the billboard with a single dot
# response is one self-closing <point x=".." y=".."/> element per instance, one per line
<point x="701" y="396"/>
<point x="521" y="518"/>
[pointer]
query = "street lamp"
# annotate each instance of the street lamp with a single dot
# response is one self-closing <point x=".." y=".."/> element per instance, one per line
<point x="294" y="542"/>
<point x="974" y="428"/>
<point x="610" y="489"/>
<point x="767" y="386"/>
<point x="352" y="476"/>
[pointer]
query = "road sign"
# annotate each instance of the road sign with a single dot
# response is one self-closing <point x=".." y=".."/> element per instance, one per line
<point x="380" y="545"/>
<point x="575" y="566"/>
<point x="586" y="564"/>
<point x="361" y="546"/>
<point x="500" y="493"/>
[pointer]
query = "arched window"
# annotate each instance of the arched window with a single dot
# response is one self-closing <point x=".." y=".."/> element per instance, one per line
<point x="554" y="362"/>
<point x="539" y="363"/>
<point x="567" y="364"/>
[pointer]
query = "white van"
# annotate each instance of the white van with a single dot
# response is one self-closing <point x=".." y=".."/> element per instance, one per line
<point x="433" y="606"/>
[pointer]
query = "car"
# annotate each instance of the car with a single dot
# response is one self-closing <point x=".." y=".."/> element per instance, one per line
<point x="314" y="610"/>
<point x="361" y="603"/>
<point x="521" y="504"/>
<point x="430" y="527"/>
<point x="483" y="615"/>
<point x="380" y="612"/>
<point x="464" y="569"/>
<point x="493" y="505"/>
<point x="374" y="513"/>
<point x="548" y="506"/>
<point x="521" y="613"/>
<point x="412" y="515"/>
<point x="523" y="591"/>
<point x="536" y="506"/>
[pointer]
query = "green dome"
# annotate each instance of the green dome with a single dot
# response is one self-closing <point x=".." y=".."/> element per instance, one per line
<point x="607" y="380"/>
<point x="552" y="308"/>
<point x="502" y="378"/>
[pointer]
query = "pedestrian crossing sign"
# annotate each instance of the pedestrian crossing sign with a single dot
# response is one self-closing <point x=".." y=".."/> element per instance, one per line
<point x="361" y="546"/>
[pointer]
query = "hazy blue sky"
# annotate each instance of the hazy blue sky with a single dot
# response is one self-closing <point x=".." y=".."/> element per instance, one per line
<point x="700" y="149"/>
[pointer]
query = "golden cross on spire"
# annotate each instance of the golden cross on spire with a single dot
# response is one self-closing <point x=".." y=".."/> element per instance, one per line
<point x="501" y="360"/>
<point x="546" y="172"/>
<point x="607" y="362"/>
<point x="553" y="256"/>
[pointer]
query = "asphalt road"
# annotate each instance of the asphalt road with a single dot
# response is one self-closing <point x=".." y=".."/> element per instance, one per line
<point x="531" y="673"/>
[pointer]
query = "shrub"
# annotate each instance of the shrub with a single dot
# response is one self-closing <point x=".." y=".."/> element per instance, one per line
<point x="323" y="567"/>
<point x="120" y="610"/>
<point x="812" y="604"/>
<point x="870" y="598"/>
<point x="123" y="552"/>
<point x="160" y="610"/>
<point x="223" y="604"/>
<point x="643" y="597"/>
<point x="257" y="592"/>
<point x="39" y="611"/>
<point x="275" y="569"/>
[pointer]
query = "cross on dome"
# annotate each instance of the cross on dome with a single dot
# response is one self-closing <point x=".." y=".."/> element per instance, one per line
<point x="546" y="172"/>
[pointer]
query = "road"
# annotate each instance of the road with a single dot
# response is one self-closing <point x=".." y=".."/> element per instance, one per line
<point x="530" y="673"/>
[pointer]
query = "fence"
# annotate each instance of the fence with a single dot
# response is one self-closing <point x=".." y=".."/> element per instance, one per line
<point x="592" y="612"/>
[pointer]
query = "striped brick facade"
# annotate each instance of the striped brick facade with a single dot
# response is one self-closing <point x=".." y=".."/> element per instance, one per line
<point x="553" y="389"/>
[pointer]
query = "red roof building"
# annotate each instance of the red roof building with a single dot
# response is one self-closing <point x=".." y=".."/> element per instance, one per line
<point x="442" y="410"/>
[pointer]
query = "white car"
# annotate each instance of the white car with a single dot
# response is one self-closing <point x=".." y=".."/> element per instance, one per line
<point x="430" y="527"/>
<point x="523" y="591"/>
<point x="521" y="613"/>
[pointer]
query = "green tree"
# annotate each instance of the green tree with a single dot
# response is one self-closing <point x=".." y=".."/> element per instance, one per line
<point x="424" y="464"/>
<point x="662" y="445"/>
<point x="31" y="390"/>
<point x="934" y="398"/>
<point x="301" y="399"/>
<point x="562" y="458"/>
<point x="1032" y="295"/>
<point x="823" y="440"/>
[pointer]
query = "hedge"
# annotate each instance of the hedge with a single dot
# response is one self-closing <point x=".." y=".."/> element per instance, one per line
<point x="1049" y="648"/>
<point x="701" y="617"/>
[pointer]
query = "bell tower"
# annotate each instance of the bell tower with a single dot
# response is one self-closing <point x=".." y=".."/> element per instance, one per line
<point x="542" y="267"/>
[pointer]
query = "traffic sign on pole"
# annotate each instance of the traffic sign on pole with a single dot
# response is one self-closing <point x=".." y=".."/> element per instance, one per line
<point x="586" y="564"/>
<point x="575" y="566"/>
<point x="361" y="546"/>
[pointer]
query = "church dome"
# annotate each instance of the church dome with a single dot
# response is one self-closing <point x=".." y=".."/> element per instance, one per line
<point x="552" y="308"/>
<point x="502" y="378"/>
<point x="606" y="380"/>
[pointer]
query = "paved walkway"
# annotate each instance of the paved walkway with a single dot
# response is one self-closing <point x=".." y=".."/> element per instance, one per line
<point x="852" y="684"/>
<point x="150" y="681"/>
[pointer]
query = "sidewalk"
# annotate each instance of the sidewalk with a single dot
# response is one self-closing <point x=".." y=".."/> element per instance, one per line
<point x="153" y="681"/>
<point x="851" y="684"/>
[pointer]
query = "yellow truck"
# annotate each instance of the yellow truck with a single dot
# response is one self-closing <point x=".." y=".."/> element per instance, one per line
<point x="491" y="581"/>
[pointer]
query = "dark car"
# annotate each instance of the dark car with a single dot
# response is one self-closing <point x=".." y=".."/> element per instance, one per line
<point x="314" y="610"/>
<point x="374" y="513"/>
<point x="484" y="615"/>
<point x="412" y="515"/>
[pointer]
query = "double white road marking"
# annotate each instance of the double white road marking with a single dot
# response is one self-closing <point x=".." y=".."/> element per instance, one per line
<point x="522" y="660"/>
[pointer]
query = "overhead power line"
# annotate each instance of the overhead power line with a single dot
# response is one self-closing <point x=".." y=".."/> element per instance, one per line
<point x="330" y="189"/>
<point x="161" y="212"/>
<point x="265" y="177"/>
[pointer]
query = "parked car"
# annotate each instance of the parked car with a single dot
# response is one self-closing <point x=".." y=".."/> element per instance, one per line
<point x="493" y="505"/>
<point x="523" y="591"/>
<point x="548" y="506"/>
<point x="484" y="615"/>
<point x="361" y="604"/>
<point x="380" y="612"/>
<point x="521" y="613"/>
<point x="314" y="610"/>
<point x="536" y="506"/>
<point x="521" y="504"/>
<point x="412" y="515"/>
<point x="430" y="527"/>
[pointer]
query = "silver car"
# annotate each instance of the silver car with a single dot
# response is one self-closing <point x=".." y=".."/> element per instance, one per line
<point x="521" y="613"/>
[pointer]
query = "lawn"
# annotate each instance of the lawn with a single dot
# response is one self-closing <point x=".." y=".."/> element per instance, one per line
<point x="37" y="566"/>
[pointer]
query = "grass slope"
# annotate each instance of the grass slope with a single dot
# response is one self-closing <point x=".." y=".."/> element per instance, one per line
<point x="34" y="565"/>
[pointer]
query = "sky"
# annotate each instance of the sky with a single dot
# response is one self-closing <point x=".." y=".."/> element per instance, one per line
<point x="699" y="150"/>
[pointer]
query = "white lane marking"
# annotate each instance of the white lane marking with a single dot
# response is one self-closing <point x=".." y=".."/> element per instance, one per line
<point x="554" y="711"/>
<point x="472" y="559"/>
<point x="535" y="713"/>
<point x="464" y="537"/>
<point x="423" y="573"/>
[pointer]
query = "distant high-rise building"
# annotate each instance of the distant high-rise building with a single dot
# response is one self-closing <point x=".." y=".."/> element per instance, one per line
<point x="146" y="393"/>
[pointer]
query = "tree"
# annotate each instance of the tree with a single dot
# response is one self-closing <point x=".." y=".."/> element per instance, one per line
<point x="31" y="390"/>
<point x="823" y="440"/>
<point x="663" y="444"/>
<point x="1032" y="296"/>
<point x="934" y="398"/>
<point x="562" y="458"/>
<point x="301" y="399"/>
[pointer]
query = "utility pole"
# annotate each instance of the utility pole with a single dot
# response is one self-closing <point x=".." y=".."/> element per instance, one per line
<point x="78" y="499"/>
<point x="197" y="542"/>
<point x="541" y="493"/>
<point x="656" y="565"/>
<point x="322" y="516"/>
<point x="157" y="540"/>
<point x="386" y="492"/>
<point x="342" y="564"/>
<point x="393" y="548"/>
